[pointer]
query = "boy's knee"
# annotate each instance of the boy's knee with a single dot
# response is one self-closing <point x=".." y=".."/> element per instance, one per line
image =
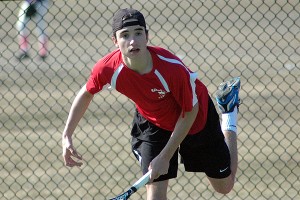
<point x="224" y="186"/>
<point x="224" y="190"/>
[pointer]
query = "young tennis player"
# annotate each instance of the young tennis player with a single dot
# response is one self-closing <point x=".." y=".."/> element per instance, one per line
<point x="174" y="112"/>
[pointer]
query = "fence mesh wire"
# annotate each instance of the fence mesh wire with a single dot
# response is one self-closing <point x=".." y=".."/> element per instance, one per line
<point x="256" y="40"/>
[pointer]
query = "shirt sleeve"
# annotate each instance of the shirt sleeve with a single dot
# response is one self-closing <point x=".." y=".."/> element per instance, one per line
<point x="97" y="79"/>
<point x="184" y="88"/>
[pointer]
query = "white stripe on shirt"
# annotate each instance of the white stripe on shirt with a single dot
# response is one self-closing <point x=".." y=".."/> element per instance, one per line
<point x="162" y="80"/>
<point x="193" y="76"/>
<point x="115" y="76"/>
<point x="170" y="60"/>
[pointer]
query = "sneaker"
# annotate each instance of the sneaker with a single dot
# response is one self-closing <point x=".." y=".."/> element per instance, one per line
<point x="43" y="53"/>
<point x="227" y="95"/>
<point x="43" y="57"/>
<point x="22" y="55"/>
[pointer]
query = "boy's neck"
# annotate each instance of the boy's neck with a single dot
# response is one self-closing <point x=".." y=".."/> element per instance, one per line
<point x="141" y="65"/>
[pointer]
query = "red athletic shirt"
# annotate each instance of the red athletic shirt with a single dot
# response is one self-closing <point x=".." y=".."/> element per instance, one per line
<point x="168" y="90"/>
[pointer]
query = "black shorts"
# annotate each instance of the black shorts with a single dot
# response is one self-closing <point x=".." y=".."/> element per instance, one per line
<point x="205" y="151"/>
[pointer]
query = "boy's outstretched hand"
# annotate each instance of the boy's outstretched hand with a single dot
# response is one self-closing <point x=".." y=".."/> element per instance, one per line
<point x="68" y="152"/>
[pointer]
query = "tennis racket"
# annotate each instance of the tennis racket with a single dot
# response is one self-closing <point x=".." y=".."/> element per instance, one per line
<point x="137" y="185"/>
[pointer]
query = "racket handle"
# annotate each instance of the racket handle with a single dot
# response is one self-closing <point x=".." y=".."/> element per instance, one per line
<point x="143" y="180"/>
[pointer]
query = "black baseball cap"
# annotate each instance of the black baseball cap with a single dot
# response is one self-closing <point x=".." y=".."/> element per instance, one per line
<point x="120" y="17"/>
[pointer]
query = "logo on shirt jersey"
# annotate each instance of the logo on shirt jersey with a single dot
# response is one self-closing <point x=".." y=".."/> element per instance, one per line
<point x="160" y="92"/>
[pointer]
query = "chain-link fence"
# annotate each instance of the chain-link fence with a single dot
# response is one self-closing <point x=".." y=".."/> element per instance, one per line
<point x="256" y="40"/>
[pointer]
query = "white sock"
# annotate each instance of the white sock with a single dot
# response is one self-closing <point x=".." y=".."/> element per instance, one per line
<point x="229" y="121"/>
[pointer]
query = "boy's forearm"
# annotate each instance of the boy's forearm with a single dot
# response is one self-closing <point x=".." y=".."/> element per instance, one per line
<point x="78" y="108"/>
<point x="181" y="130"/>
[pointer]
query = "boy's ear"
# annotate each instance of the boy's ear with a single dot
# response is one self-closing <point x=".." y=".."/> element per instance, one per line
<point x="115" y="41"/>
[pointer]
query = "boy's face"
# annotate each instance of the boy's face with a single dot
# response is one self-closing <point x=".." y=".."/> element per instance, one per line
<point x="132" y="41"/>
